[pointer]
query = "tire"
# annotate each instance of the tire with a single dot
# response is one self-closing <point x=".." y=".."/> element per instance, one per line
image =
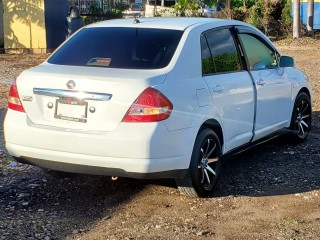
<point x="301" y="118"/>
<point x="204" y="166"/>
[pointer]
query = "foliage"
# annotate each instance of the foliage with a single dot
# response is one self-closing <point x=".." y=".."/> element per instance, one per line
<point x="256" y="14"/>
<point x="273" y="17"/>
<point x="240" y="3"/>
<point x="121" y="6"/>
<point x="187" y="8"/>
<point x="267" y="15"/>
<point x="234" y="3"/>
<point x="286" y="15"/>
<point x="96" y="14"/>
<point x="239" y="14"/>
<point x="168" y="12"/>
<point x="221" y="63"/>
<point x="95" y="9"/>
<point x="114" y="13"/>
<point x="208" y="66"/>
<point x="226" y="62"/>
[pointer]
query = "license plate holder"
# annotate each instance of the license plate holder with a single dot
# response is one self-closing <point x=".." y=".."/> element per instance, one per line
<point x="71" y="110"/>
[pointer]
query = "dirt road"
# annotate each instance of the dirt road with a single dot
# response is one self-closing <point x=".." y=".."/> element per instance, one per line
<point x="269" y="192"/>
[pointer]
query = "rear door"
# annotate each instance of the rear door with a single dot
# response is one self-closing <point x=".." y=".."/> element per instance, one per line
<point x="230" y="85"/>
<point x="272" y="85"/>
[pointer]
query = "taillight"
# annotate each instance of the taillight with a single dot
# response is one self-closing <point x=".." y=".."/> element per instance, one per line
<point x="14" y="101"/>
<point x="150" y="106"/>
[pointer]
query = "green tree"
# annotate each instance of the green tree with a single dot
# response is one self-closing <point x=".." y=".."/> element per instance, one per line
<point x="187" y="7"/>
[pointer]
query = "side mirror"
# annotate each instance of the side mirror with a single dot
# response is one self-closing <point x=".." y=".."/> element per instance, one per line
<point x="286" y="61"/>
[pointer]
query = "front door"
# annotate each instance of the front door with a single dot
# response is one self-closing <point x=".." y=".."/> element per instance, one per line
<point x="273" y="87"/>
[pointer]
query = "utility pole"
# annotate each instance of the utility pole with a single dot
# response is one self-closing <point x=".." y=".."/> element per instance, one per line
<point x="296" y="19"/>
<point x="310" y="17"/>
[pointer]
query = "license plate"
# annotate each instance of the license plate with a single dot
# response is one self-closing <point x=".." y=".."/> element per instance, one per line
<point x="71" y="110"/>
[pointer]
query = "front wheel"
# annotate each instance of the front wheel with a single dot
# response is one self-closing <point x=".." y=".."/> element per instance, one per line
<point x="204" y="166"/>
<point x="301" y="118"/>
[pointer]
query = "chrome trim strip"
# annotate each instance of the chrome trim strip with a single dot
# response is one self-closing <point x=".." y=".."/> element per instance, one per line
<point x="72" y="94"/>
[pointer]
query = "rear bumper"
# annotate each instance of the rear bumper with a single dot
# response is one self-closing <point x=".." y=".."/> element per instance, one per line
<point x="95" y="170"/>
<point x="145" y="150"/>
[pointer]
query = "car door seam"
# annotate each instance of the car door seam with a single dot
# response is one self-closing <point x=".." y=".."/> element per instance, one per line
<point x="255" y="96"/>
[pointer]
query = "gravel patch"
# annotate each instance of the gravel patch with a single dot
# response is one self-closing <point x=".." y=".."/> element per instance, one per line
<point x="269" y="192"/>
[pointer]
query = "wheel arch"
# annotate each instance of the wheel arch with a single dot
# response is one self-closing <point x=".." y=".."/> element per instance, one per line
<point x="302" y="90"/>
<point x="306" y="91"/>
<point x="295" y="131"/>
<point x="215" y="126"/>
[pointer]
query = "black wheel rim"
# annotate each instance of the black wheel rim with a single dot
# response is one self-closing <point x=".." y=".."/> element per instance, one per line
<point x="303" y="118"/>
<point x="208" y="163"/>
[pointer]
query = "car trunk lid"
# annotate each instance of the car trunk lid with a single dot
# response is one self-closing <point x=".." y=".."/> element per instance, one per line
<point x="82" y="98"/>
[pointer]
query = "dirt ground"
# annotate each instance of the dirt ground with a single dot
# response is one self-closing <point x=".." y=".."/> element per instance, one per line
<point x="269" y="192"/>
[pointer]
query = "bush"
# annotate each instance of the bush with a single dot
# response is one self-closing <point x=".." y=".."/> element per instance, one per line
<point x="267" y="16"/>
<point x="239" y="14"/>
<point x="186" y="8"/>
<point x="256" y="14"/>
<point x="286" y="18"/>
<point x="121" y="6"/>
<point x="114" y="13"/>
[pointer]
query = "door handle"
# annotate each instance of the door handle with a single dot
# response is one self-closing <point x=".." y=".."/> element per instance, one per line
<point x="218" y="88"/>
<point x="261" y="82"/>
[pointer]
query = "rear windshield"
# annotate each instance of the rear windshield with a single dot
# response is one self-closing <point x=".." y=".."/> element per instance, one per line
<point x="131" y="48"/>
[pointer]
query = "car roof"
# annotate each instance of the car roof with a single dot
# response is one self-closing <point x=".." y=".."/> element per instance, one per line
<point x="165" y="23"/>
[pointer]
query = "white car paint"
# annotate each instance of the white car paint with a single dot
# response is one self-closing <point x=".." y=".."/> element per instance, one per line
<point x="105" y="141"/>
<point x="273" y="99"/>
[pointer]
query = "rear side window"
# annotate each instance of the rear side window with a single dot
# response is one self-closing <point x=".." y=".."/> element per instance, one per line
<point x="224" y="55"/>
<point x="131" y="48"/>
<point x="207" y="61"/>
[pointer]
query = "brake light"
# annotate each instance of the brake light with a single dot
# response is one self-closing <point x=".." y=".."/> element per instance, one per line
<point x="14" y="101"/>
<point x="150" y="106"/>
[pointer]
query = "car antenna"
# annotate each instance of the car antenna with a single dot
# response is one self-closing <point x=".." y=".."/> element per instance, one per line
<point x="136" y="20"/>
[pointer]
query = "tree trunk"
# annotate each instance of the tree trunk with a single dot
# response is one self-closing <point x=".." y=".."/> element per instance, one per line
<point x="229" y="9"/>
<point x="296" y="19"/>
<point x="310" y="17"/>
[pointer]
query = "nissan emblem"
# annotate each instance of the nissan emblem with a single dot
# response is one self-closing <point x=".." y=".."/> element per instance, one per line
<point x="71" y="84"/>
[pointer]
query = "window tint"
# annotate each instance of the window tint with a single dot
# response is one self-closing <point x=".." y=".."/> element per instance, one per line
<point x="132" y="48"/>
<point x="223" y="52"/>
<point x="259" y="55"/>
<point x="207" y="62"/>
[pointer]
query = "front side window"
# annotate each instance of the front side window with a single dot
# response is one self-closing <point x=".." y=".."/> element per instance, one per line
<point x="119" y="47"/>
<point x="224" y="54"/>
<point x="259" y="55"/>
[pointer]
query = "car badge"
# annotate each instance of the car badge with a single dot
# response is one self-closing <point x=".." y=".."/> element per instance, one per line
<point x="71" y="84"/>
<point x="27" y="98"/>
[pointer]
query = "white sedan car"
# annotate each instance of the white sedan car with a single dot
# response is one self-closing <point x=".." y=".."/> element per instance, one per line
<point x="155" y="98"/>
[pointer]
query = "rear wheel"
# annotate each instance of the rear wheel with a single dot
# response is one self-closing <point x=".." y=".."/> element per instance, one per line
<point x="301" y="118"/>
<point x="204" y="166"/>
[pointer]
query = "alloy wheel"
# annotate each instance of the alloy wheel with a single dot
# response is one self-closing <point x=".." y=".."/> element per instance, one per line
<point x="208" y="164"/>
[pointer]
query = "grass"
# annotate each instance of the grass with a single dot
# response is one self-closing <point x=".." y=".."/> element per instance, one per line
<point x="288" y="223"/>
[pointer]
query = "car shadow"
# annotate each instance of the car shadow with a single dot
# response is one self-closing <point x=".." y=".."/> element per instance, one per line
<point x="278" y="167"/>
<point x="78" y="201"/>
<point x="70" y="202"/>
